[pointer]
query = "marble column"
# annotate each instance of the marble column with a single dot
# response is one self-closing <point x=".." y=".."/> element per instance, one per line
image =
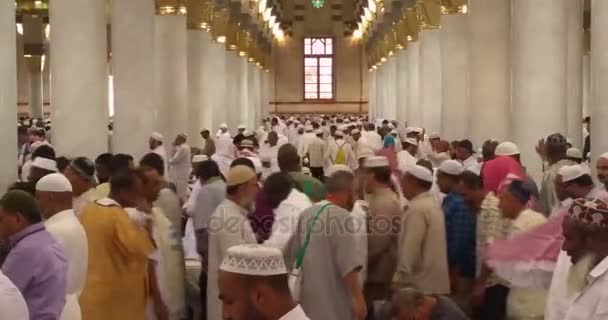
<point x="574" y="78"/>
<point x="233" y="78"/>
<point x="372" y="94"/>
<point x="199" y="114"/>
<point x="254" y="96"/>
<point x="8" y="94"/>
<point x="244" y="104"/>
<point x="430" y="79"/>
<point x="132" y="55"/>
<point x="390" y="89"/>
<point x="402" y="87"/>
<point x="414" y="111"/>
<point x="34" y="65"/>
<point x="79" y="73"/>
<point x="598" y="108"/>
<point x="214" y="81"/>
<point x="171" y="74"/>
<point x="490" y="73"/>
<point x="455" y="76"/>
<point x="586" y="84"/>
<point x="380" y="91"/>
<point x="540" y="42"/>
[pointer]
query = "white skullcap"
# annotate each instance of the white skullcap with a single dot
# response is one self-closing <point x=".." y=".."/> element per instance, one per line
<point x="574" y="153"/>
<point x="435" y="135"/>
<point x="409" y="130"/>
<point x="318" y="131"/>
<point x="375" y="162"/>
<point x="354" y="132"/>
<point x="342" y="128"/>
<point x="391" y="126"/>
<point x="157" y="136"/>
<point x="54" y="182"/>
<point x="223" y="126"/>
<point x="246" y="144"/>
<point x="421" y="173"/>
<point x="474" y="169"/>
<point x="337" y="168"/>
<point x="451" y="167"/>
<point x="262" y="128"/>
<point x="254" y="260"/>
<point x="418" y="130"/>
<point x="309" y="128"/>
<point x="44" y="163"/>
<point x="300" y="126"/>
<point x="247" y="133"/>
<point x="306" y="171"/>
<point x="339" y="134"/>
<point x="183" y="135"/>
<point x="411" y="141"/>
<point x="604" y="156"/>
<point x="394" y="131"/>
<point x="506" y="148"/>
<point x="241" y="126"/>
<point x="257" y="164"/>
<point x="199" y="158"/>
<point x="573" y="172"/>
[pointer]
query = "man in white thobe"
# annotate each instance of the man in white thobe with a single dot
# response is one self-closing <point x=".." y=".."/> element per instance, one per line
<point x="407" y="157"/>
<point x="54" y="194"/>
<point x="156" y="146"/>
<point x="181" y="165"/>
<point x="224" y="149"/>
<point x="338" y="147"/>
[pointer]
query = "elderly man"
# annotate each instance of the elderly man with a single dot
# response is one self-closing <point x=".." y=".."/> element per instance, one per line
<point x="602" y="170"/>
<point x="81" y="174"/>
<point x="407" y="157"/>
<point x="575" y="182"/>
<point x="422" y="249"/>
<point x="54" y="193"/>
<point x="181" y="165"/>
<point x="36" y="263"/>
<point x="256" y="270"/>
<point x="384" y="206"/>
<point x="228" y="227"/>
<point x="328" y="261"/>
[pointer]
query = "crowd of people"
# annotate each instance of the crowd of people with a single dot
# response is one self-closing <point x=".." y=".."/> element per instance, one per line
<point x="306" y="217"/>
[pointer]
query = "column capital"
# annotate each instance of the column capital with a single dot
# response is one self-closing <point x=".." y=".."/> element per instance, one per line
<point x="411" y="19"/>
<point x="219" y="24"/>
<point x="200" y="14"/>
<point x="170" y="7"/>
<point x="454" y="6"/>
<point x="429" y="14"/>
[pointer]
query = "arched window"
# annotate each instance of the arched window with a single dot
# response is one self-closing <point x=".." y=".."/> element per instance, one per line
<point x="318" y="69"/>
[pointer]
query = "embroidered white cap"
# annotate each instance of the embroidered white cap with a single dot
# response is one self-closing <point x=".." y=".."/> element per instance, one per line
<point x="337" y="168"/>
<point x="573" y="172"/>
<point x="375" y="162"/>
<point x="574" y="153"/>
<point x="157" y="136"/>
<point x="44" y="163"/>
<point x="54" y="182"/>
<point x="420" y="172"/>
<point x="506" y="148"/>
<point x="254" y="260"/>
<point x="411" y="141"/>
<point x="451" y="167"/>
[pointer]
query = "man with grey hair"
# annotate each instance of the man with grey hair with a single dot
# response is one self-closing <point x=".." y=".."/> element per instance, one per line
<point x="329" y="261"/>
<point x="410" y="303"/>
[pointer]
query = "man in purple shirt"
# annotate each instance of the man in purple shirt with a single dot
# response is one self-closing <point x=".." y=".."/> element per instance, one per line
<point x="35" y="263"/>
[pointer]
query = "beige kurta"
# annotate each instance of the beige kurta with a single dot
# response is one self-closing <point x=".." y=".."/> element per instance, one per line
<point x="228" y="227"/>
<point x="422" y="249"/>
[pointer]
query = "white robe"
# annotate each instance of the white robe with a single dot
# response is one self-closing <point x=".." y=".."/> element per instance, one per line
<point x="181" y="167"/>
<point x="162" y="152"/>
<point x="332" y="152"/>
<point x="405" y="160"/>
<point x="68" y="231"/>
<point x="12" y="304"/>
<point x="286" y="219"/>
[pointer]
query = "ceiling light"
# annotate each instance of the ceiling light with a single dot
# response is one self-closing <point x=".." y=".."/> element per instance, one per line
<point x="357" y="34"/>
<point x="47" y="31"/>
<point x="262" y="6"/>
<point x="20" y="28"/>
<point x="37" y="4"/>
<point x="221" y="39"/>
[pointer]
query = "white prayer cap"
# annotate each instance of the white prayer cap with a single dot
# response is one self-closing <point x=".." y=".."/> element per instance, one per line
<point x="506" y="148"/>
<point x="183" y="135"/>
<point x="573" y="172"/>
<point x="411" y="141"/>
<point x="309" y="128"/>
<point x="318" y="131"/>
<point x="354" y="132"/>
<point x="574" y="153"/>
<point x="300" y="126"/>
<point x="347" y="120"/>
<point x="247" y="133"/>
<point x="375" y="162"/>
<point x="418" y="130"/>
<point x="44" y="163"/>
<point x="435" y="135"/>
<point x="257" y="164"/>
<point x="199" y="158"/>
<point x="365" y="151"/>
<point x="409" y="130"/>
<point x="254" y="260"/>
<point x="451" y="167"/>
<point x="474" y="169"/>
<point x="339" y="134"/>
<point x="55" y="182"/>
<point x="306" y="171"/>
<point x="246" y="144"/>
<point x="420" y="172"/>
<point x="391" y="126"/>
<point x="157" y="136"/>
<point x="604" y="156"/>
<point x="337" y="168"/>
<point x="241" y="127"/>
<point x="262" y="128"/>
<point x="223" y="126"/>
<point x="394" y="131"/>
<point x="239" y="175"/>
<point x="343" y="128"/>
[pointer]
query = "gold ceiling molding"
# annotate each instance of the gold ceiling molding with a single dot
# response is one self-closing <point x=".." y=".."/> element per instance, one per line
<point x="231" y="36"/>
<point x="219" y="25"/>
<point x="200" y="14"/>
<point x="454" y="6"/>
<point x="411" y="19"/>
<point x="170" y="7"/>
<point x="401" y="32"/>
<point x="429" y="14"/>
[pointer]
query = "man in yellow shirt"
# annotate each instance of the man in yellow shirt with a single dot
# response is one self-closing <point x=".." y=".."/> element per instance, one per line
<point x="116" y="286"/>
